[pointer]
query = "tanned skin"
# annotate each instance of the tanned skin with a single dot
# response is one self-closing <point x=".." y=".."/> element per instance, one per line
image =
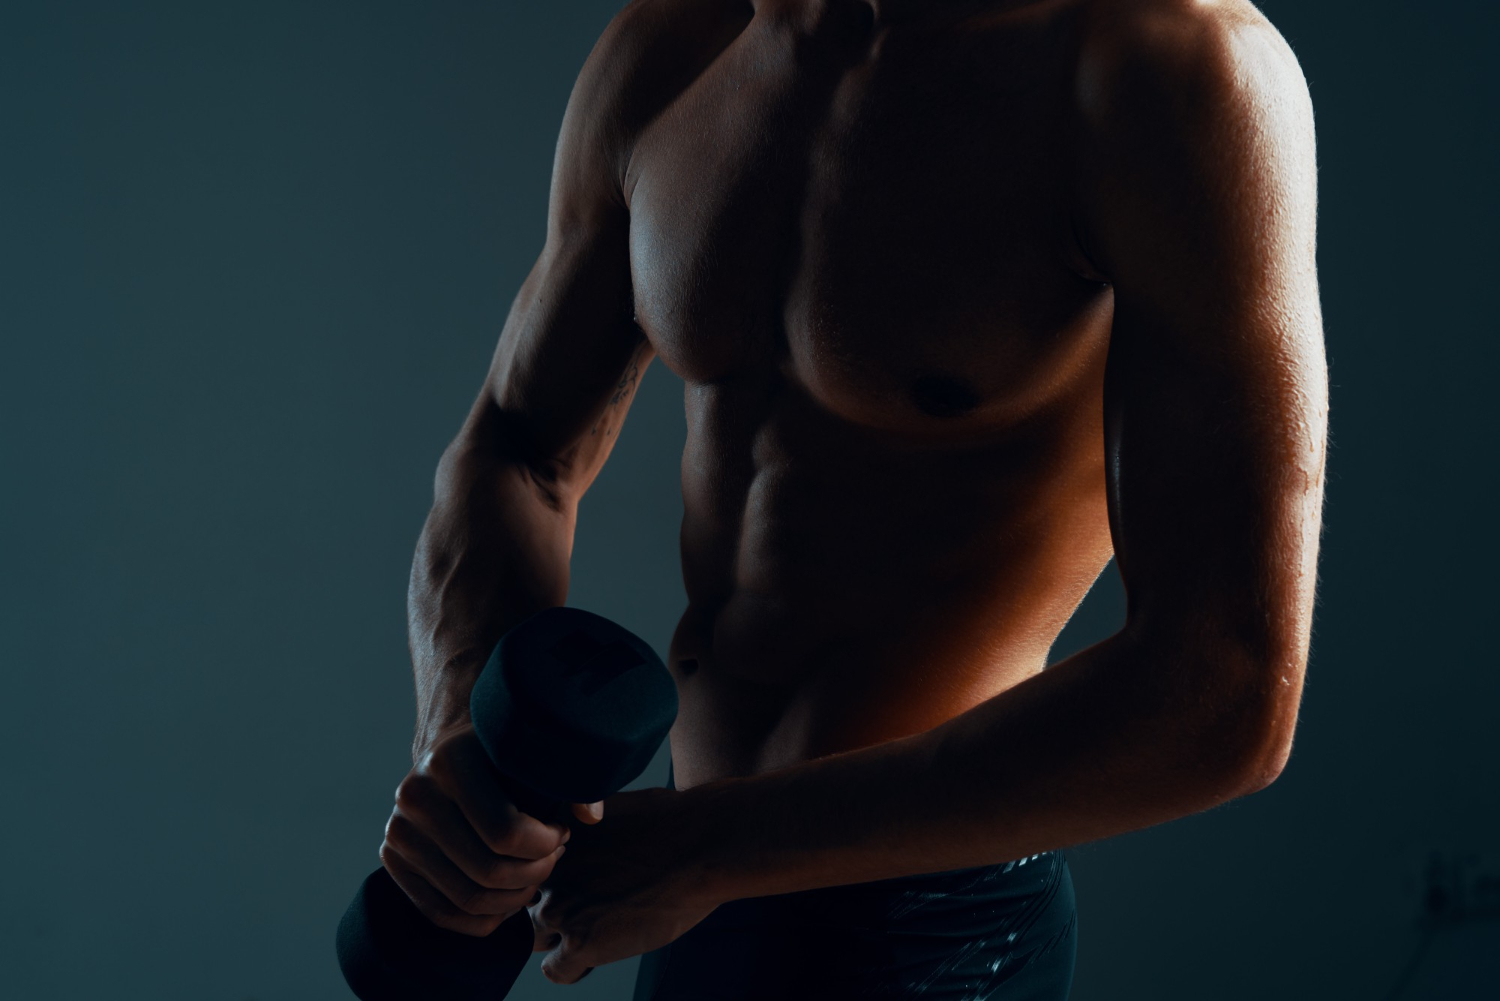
<point x="966" y="297"/>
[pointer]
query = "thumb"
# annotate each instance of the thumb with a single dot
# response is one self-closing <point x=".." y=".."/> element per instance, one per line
<point x="589" y="813"/>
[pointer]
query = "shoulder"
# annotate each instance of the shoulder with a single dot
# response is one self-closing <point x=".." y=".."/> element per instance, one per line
<point x="1179" y="60"/>
<point x="645" y="56"/>
<point x="1193" y="124"/>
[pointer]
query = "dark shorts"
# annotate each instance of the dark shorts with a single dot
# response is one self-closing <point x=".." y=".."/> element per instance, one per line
<point x="1003" y="932"/>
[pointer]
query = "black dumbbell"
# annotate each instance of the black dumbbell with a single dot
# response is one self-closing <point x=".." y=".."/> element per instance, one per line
<point x="570" y="708"/>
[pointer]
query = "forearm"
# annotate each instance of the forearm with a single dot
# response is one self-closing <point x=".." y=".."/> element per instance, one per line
<point x="493" y="552"/>
<point x="1088" y="749"/>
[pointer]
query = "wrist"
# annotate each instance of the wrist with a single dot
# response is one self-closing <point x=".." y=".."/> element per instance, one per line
<point x="728" y="846"/>
<point x="849" y="817"/>
<point x="705" y="819"/>
<point x="442" y="705"/>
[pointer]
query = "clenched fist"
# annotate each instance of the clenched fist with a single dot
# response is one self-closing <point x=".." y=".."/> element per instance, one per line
<point x="459" y="848"/>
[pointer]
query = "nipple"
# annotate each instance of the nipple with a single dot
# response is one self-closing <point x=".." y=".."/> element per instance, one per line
<point x="943" y="396"/>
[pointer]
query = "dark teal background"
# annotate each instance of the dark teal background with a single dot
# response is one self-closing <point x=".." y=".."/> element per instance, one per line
<point x="253" y="260"/>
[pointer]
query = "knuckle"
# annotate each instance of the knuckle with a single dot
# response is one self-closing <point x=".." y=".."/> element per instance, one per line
<point x="399" y="830"/>
<point x="413" y="789"/>
<point x="436" y="767"/>
<point x="425" y="764"/>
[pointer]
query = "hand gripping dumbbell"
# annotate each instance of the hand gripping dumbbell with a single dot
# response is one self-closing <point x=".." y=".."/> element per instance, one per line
<point x="570" y="708"/>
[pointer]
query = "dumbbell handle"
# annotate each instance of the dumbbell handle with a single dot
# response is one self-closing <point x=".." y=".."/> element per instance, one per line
<point x="578" y="705"/>
<point x="533" y="803"/>
<point x="383" y="931"/>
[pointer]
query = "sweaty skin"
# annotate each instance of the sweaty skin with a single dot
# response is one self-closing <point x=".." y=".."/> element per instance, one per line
<point x="966" y="297"/>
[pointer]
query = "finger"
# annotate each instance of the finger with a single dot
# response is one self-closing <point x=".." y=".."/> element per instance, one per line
<point x="419" y="852"/>
<point x="440" y="819"/>
<point x="432" y="904"/>
<point x="543" y="938"/>
<point x="589" y="813"/>
<point x="565" y="964"/>
<point x="475" y="786"/>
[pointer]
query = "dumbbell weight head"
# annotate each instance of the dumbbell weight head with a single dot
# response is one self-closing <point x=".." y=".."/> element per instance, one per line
<point x="572" y="706"/>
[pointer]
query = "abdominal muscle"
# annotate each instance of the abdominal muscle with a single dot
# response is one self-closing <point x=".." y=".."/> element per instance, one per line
<point x="848" y="587"/>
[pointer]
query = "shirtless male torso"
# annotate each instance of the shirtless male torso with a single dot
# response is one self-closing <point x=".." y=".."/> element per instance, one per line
<point x="967" y="296"/>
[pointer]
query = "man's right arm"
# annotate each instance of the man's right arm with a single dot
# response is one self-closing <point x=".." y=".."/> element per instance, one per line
<point x="496" y="545"/>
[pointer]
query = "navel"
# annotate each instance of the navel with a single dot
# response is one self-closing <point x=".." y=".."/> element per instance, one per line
<point x="943" y="396"/>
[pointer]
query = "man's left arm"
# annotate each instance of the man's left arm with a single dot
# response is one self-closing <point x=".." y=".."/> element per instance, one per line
<point x="1197" y="199"/>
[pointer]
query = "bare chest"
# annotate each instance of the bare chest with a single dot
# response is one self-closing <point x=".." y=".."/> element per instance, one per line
<point x="881" y="215"/>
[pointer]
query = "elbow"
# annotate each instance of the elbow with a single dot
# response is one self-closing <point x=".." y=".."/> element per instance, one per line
<point x="484" y="462"/>
<point x="1257" y="771"/>
<point x="1252" y="737"/>
<point x="1228" y="761"/>
<point x="1223" y="673"/>
<point x="1234" y="712"/>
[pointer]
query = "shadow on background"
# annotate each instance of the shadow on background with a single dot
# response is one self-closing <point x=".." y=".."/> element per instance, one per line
<point x="254" y="262"/>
